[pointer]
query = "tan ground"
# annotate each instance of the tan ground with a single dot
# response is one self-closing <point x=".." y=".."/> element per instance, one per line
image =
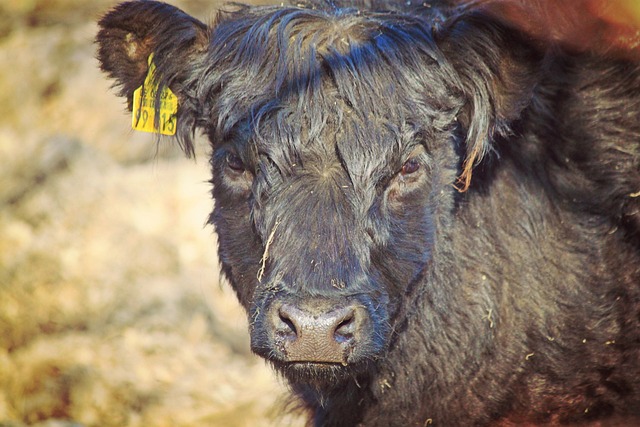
<point x="112" y="312"/>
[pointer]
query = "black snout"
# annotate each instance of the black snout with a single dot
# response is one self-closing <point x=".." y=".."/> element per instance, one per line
<point x="318" y="330"/>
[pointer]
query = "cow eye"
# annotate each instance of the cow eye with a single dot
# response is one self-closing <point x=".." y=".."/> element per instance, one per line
<point x="410" y="166"/>
<point x="235" y="163"/>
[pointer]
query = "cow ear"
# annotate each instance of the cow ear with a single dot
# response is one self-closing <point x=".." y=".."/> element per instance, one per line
<point x="133" y="33"/>
<point x="497" y="71"/>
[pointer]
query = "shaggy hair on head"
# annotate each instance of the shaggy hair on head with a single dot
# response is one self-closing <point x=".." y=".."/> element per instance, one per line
<point x="428" y="216"/>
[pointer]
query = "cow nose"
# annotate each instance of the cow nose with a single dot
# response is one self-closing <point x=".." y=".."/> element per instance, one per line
<point x="318" y="336"/>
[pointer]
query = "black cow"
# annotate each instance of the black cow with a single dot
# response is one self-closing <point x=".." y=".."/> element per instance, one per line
<point x="429" y="217"/>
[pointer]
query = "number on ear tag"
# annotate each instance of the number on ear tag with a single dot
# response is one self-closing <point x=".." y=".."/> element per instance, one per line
<point x="143" y="117"/>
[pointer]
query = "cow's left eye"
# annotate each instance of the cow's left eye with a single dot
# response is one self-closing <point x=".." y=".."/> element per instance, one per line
<point x="235" y="163"/>
<point x="410" y="166"/>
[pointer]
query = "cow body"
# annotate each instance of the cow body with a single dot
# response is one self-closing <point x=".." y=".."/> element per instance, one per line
<point x="429" y="217"/>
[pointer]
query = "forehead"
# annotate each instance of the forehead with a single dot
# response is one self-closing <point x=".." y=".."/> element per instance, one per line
<point x="302" y="83"/>
<point x="325" y="131"/>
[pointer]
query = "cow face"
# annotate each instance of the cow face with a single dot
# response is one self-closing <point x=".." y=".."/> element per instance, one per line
<point x="327" y="184"/>
<point x="325" y="215"/>
<point x="337" y="138"/>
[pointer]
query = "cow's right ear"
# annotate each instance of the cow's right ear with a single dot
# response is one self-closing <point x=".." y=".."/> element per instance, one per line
<point x="498" y="70"/>
<point x="133" y="32"/>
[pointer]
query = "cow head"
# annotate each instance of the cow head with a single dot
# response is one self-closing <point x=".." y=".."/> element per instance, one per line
<point x="338" y="137"/>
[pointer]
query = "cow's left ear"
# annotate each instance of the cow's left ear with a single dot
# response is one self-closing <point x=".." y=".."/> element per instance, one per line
<point x="132" y="33"/>
<point x="498" y="71"/>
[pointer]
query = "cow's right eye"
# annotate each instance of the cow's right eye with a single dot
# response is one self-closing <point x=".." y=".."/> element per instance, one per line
<point x="235" y="163"/>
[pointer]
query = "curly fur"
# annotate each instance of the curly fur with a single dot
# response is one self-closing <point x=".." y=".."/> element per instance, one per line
<point x="514" y="301"/>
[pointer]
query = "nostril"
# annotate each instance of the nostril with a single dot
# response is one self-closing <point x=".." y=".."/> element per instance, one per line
<point x="346" y="329"/>
<point x="285" y="327"/>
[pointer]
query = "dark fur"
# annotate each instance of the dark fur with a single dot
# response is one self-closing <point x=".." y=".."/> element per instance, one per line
<point x="517" y="301"/>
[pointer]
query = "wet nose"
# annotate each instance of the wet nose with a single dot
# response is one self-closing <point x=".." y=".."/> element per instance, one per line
<point x="309" y="334"/>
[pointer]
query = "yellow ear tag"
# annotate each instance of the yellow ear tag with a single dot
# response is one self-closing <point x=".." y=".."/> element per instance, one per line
<point x="144" y="106"/>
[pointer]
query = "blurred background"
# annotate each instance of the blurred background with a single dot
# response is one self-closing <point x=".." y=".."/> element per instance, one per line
<point x="112" y="311"/>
